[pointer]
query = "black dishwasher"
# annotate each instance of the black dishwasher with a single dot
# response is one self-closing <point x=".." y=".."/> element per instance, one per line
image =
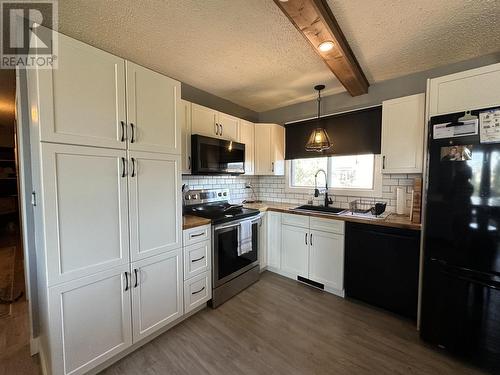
<point x="381" y="267"/>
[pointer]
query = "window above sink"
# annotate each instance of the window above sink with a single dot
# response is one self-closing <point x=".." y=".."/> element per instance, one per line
<point x="351" y="175"/>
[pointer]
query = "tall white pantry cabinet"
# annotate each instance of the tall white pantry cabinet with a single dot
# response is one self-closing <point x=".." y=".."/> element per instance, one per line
<point x="106" y="162"/>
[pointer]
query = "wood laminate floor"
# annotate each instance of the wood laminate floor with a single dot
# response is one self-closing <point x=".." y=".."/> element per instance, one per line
<point x="278" y="326"/>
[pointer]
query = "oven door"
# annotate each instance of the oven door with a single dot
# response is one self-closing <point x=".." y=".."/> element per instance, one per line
<point x="227" y="264"/>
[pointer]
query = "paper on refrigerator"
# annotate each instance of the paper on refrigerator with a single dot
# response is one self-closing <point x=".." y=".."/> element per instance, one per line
<point x="489" y="126"/>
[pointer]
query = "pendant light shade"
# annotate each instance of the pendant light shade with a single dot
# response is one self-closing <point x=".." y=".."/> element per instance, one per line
<point x="319" y="140"/>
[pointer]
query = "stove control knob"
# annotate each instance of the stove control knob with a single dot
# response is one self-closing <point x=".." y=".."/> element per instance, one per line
<point x="194" y="196"/>
<point x="225" y="193"/>
<point x="220" y="194"/>
<point x="187" y="197"/>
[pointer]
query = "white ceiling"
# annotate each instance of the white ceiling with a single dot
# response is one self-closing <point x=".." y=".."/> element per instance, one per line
<point x="248" y="52"/>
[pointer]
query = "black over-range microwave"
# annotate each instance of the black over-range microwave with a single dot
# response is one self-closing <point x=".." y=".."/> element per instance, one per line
<point x="216" y="156"/>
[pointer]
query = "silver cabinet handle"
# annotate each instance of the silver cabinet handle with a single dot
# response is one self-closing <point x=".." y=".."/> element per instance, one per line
<point x="136" y="278"/>
<point x="272" y="166"/>
<point x="133" y="167"/>
<point x="221" y="129"/>
<point x="311" y="239"/>
<point x="306" y="239"/>
<point x="383" y="162"/>
<point x="197" y="260"/>
<point x="216" y="129"/>
<point x="189" y="162"/>
<point x="198" y="291"/>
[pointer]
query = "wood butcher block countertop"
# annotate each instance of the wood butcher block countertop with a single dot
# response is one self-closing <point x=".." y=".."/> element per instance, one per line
<point x="393" y="220"/>
<point x="191" y="221"/>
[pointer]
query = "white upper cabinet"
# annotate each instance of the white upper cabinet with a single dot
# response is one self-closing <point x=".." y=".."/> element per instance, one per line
<point x="247" y="136"/>
<point x="211" y="123"/>
<point x="157" y="292"/>
<point x="229" y="126"/>
<point x="185" y="118"/>
<point x="90" y="321"/>
<point x="83" y="101"/>
<point x="326" y="259"/>
<point x="155" y="204"/>
<point x="152" y="111"/>
<point x="269" y="149"/>
<point x="203" y="121"/>
<point x="471" y="89"/>
<point x="403" y="126"/>
<point x="85" y="210"/>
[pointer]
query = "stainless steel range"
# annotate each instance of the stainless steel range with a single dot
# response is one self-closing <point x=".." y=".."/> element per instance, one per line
<point x="235" y="244"/>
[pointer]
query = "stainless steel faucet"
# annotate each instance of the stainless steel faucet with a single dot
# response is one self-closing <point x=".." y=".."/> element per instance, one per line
<point x="328" y="200"/>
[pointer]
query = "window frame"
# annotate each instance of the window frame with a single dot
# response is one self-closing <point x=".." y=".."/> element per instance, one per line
<point x="376" y="191"/>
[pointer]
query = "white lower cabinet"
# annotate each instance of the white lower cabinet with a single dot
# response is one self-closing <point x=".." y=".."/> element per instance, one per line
<point x="262" y="238"/>
<point x="157" y="289"/>
<point x="310" y="247"/>
<point x="197" y="253"/>
<point x="90" y="321"/>
<point x="294" y="251"/>
<point x="326" y="259"/>
<point x="273" y="241"/>
<point x="197" y="291"/>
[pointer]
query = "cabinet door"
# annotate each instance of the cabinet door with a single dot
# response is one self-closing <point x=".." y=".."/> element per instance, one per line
<point x="229" y="127"/>
<point x="155" y="204"/>
<point x="153" y="101"/>
<point x="403" y="134"/>
<point x="277" y="150"/>
<point x="85" y="210"/>
<point x="90" y="321"/>
<point x="274" y="240"/>
<point x="83" y="101"/>
<point x="472" y="89"/>
<point x="197" y="291"/>
<point x="326" y="259"/>
<point x="294" y="251"/>
<point x="185" y="117"/>
<point x="263" y="149"/>
<point x="247" y="136"/>
<point x="156" y="292"/>
<point x="203" y="121"/>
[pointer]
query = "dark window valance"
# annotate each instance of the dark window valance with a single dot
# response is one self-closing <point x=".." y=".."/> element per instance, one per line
<point x="351" y="133"/>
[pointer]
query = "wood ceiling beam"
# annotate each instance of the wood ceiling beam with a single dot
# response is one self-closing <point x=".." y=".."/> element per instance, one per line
<point x="315" y="21"/>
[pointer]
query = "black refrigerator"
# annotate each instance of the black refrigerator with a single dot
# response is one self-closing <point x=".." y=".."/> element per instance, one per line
<point x="461" y="274"/>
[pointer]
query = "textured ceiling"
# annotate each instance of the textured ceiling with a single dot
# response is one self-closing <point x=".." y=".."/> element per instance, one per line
<point x="248" y="52"/>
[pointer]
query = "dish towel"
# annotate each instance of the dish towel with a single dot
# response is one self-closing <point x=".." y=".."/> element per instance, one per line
<point x="245" y="237"/>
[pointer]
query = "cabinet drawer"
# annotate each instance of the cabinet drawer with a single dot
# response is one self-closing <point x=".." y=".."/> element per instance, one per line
<point x="296" y="220"/>
<point x="197" y="259"/>
<point x="197" y="234"/>
<point x="197" y="291"/>
<point x="327" y="225"/>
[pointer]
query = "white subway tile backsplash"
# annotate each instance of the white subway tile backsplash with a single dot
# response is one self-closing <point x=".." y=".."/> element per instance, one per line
<point x="272" y="188"/>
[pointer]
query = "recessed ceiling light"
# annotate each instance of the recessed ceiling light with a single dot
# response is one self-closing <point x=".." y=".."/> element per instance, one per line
<point x="326" y="46"/>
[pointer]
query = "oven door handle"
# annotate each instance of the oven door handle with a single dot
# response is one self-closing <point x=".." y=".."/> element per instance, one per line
<point x="257" y="220"/>
<point x="227" y="226"/>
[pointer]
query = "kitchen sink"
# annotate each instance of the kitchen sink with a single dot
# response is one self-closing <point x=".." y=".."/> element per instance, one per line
<point x="321" y="209"/>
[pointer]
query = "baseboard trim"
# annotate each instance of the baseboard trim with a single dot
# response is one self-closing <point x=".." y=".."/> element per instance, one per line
<point x="34" y="349"/>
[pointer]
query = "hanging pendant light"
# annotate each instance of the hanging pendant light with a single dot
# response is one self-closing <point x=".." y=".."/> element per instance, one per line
<point x="319" y="140"/>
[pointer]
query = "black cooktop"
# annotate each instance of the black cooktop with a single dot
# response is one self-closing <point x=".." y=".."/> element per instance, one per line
<point x="221" y="212"/>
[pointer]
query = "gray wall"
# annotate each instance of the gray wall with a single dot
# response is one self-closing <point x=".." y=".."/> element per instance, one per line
<point x="394" y="88"/>
<point x="192" y="94"/>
